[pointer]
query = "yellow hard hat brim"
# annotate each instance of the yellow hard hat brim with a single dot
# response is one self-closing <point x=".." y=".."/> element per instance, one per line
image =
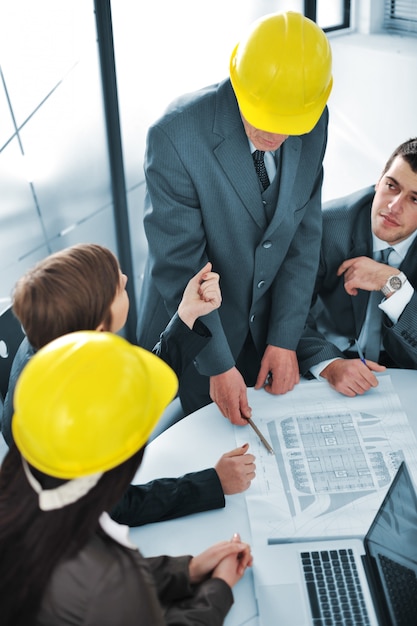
<point x="298" y="123"/>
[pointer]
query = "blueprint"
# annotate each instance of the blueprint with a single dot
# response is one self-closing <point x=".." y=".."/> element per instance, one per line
<point x="334" y="460"/>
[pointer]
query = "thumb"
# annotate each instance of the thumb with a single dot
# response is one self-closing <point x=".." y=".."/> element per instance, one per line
<point x="375" y="367"/>
<point x="204" y="270"/>
<point x="245" y="410"/>
<point x="262" y="376"/>
<point x="238" y="451"/>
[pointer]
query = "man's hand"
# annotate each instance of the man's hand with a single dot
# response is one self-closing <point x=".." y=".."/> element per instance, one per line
<point x="279" y="367"/>
<point x="236" y="470"/>
<point x="351" y="376"/>
<point x="364" y="273"/>
<point x="229" y="392"/>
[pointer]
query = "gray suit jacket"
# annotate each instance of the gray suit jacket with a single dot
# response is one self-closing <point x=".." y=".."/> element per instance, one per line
<point x="204" y="203"/>
<point x="347" y="234"/>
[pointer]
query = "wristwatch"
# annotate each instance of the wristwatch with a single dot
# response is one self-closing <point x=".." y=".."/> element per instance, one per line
<point x="393" y="284"/>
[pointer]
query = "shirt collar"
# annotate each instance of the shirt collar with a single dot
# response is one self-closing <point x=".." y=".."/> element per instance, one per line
<point x="252" y="149"/>
<point x="118" y="532"/>
<point x="400" y="248"/>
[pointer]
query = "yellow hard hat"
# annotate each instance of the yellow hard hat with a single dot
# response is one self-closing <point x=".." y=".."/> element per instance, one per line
<point x="87" y="402"/>
<point x="281" y="73"/>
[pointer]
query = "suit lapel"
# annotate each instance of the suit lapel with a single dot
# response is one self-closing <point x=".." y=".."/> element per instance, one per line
<point x="409" y="265"/>
<point x="233" y="153"/>
<point x="290" y="157"/>
<point x="235" y="158"/>
<point x="361" y="246"/>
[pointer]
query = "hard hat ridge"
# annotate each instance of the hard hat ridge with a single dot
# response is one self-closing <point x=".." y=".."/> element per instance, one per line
<point x="88" y="401"/>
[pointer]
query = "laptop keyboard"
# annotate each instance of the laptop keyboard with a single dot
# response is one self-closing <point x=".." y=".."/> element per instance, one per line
<point x="334" y="589"/>
<point x="402" y="589"/>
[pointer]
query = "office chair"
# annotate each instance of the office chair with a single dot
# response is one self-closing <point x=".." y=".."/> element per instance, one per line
<point x="11" y="336"/>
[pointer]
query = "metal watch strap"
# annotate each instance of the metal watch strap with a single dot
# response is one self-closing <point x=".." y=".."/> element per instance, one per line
<point x="387" y="289"/>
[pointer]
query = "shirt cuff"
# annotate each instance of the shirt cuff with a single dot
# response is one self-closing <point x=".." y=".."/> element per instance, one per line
<point x="317" y="369"/>
<point x="395" y="304"/>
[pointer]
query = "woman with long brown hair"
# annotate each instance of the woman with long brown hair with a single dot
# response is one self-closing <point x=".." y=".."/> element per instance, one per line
<point x="85" y="406"/>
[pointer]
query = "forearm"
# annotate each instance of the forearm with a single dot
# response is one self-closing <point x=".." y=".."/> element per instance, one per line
<point x="169" y="498"/>
<point x="179" y="345"/>
<point x="313" y="349"/>
<point x="209" y="605"/>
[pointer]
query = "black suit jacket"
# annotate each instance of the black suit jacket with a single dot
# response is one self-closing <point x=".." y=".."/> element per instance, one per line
<point x="346" y="234"/>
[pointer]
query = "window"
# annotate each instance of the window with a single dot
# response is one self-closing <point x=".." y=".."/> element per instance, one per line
<point x="329" y="14"/>
<point x="401" y="15"/>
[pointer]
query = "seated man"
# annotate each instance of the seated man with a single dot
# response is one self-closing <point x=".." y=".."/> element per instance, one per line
<point x="82" y="288"/>
<point x="365" y="298"/>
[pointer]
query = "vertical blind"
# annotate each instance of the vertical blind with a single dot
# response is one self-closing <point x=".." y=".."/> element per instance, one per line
<point x="401" y="15"/>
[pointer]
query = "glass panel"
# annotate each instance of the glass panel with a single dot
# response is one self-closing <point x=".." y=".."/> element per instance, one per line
<point x="330" y="13"/>
<point x="51" y="91"/>
<point x="17" y="208"/>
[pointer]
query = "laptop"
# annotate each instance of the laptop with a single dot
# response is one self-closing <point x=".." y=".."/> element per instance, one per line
<point x="345" y="581"/>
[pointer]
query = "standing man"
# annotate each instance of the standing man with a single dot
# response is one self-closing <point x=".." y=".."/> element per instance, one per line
<point x="261" y="232"/>
<point x="369" y="251"/>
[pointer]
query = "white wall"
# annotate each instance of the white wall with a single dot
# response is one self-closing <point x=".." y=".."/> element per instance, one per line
<point x="372" y="107"/>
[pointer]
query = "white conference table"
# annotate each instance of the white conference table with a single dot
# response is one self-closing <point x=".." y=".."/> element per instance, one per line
<point x="197" y="442"/>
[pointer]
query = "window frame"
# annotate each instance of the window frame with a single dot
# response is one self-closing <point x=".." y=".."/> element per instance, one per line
<point x="310" y="11"/>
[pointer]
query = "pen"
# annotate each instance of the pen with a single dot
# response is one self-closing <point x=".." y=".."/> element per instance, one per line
<point x="260" y="435"/>
<point x="361" y="355"/>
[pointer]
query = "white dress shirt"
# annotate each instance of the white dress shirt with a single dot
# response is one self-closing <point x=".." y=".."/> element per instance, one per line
<point x="269" y="160"/>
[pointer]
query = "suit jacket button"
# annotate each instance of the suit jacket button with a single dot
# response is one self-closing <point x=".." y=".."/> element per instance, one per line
<point x="267" y="244"/>
<point x="261" y="284"/>
<point x="252" y="318"/>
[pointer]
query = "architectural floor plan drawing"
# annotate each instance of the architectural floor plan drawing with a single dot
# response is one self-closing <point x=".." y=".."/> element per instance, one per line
<point x="334" y="456"/>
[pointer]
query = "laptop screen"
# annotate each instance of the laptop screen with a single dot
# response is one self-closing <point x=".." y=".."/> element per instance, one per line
<point x="391" y="548"/>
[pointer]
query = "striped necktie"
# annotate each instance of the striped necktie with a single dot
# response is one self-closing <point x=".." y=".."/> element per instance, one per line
<point x="373" y="340"/>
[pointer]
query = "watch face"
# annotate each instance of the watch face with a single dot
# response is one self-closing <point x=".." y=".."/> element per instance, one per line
<point x="395" y="282"/>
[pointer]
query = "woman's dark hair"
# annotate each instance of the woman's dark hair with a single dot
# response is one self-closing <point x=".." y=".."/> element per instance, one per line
<point x="70" y="290"/>
<point x="33" y="542"/>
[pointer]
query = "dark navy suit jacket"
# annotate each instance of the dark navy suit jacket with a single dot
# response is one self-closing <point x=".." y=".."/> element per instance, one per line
<point x="204" y="204"/>
<point x="347" y="234"/>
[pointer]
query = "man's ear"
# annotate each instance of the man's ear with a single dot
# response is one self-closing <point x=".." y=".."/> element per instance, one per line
<point x="100" y="327"/>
